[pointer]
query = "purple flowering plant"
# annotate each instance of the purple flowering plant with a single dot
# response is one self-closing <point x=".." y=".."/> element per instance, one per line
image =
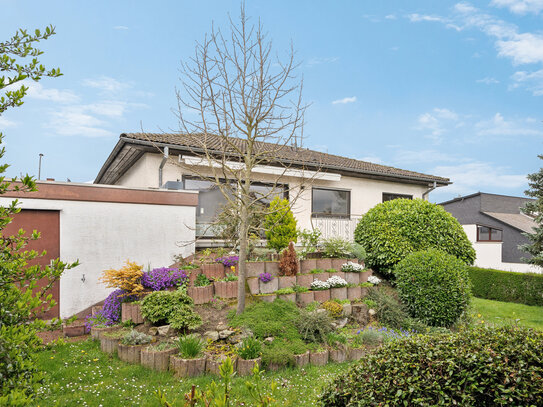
<point x="265" y="277"/>
<point x="228" y="261"/>
<point x="159" y="279"/>
<point x="111" y="311"/>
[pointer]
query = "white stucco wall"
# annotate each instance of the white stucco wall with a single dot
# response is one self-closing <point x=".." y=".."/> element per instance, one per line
<point x="365" y="192"/>
<point x="104" y="235"/>
<point x="489" y="254"/>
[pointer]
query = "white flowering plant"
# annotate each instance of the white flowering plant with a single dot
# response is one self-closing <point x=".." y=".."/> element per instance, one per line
<point x="351" y="267"/>
<point x="318" y="285"/>
<point x="336" y="282"/>
<point x="374" y="280"/>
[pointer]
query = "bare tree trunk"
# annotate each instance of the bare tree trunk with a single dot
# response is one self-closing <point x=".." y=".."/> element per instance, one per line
<point x="242" y="264"/>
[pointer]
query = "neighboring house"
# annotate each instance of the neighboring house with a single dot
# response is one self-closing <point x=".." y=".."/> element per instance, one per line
<point x="340" y="189"/>
<point x="495" y="225"/>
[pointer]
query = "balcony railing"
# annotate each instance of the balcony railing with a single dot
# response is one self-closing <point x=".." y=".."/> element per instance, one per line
<point x="337" y="227"/>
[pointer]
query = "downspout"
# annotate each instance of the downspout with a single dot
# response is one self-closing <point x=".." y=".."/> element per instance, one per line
<point x="162" y="163"/>
<point x="425" y="194"/>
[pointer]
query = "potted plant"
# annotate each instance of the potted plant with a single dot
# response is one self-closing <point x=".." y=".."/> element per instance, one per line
<point x="190" y="361"/>
<point x="286" y="294"/>
<point x="129" y="348"/>
<point x="319" y="274"/>
<point x="337" y="344"/>
<point x="303" y="295"/>
<point x="76" y="329"/>
<point x="227" y="287"/>
<point x="229" y="263"/>
<point x="202" y="292"/>
<point x="321" y="290"/>
<point x="109" y="341"/>
<point x="157" y="357"/>
<point x="131" y="311"/>
<point x="338" y="287"/>
<point x="267" y="283"/>
<point x="318" y="355"/>
<point x="249" y="354"/>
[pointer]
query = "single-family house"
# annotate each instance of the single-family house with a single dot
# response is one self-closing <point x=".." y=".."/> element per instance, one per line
<point x="340" y="190"/>
<point x="496" y="226"/>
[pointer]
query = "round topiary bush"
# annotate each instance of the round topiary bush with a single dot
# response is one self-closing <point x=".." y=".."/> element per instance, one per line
<point x="434" y="286"/>
<point x="481" y="367"/>
<point x="393" y="229"/>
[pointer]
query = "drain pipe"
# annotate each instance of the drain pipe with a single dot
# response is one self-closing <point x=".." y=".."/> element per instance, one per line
<point x="425" y="194"/>
<point x="162" y="163"/>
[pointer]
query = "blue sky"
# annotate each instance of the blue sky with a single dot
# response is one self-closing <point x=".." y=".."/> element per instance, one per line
<point x="448" y="88"/>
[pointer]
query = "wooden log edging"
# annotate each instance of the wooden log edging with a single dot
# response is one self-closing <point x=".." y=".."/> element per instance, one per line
<point x="131" y="311"/>
<point x="245" y="366"/>
<point x="109" y="345"/>
<point x="156" y="360"/>
<point x="130" y="353"/>
<point x="187" y="367"/>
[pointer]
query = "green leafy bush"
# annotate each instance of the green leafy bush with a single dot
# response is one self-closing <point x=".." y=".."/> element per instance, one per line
<point x="136" y="338"/>
<point x="280" y="225"/>
<point x="393" y="229"/>
<point x="281" y="351"/>
<point x="286" y="290"/>
<point x="434" y="286"/>
<point x="314" y="326"/>
<point x="308" y="241"/>
<point x="190" y="346"/>
<point x="481" y="367"/>
<point x="508" y="286"/>
<point x="337" y="248"/>
<point x="201" y="281"/>
<point x="170" y="307"/>
<point x="251" y="348"/>
<point x="336" y="340"/>
<point x="358" y="251"/>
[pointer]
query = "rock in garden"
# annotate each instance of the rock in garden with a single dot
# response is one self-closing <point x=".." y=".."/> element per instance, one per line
<point x="225" y="333"/>
<point x="341" y="323"/>
<point x="153" y="330"/>
<point x="222" y="326"/>
<point x="165" y="330"/>
<point x="269" y="339"/>
<point x="372" y="312"/>
<point x="212" y="335"/>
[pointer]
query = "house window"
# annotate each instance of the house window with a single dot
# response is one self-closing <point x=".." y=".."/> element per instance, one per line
<point x="488" y="234"/>
<point x="387" y="196"/>
<point x="330" y="203"/>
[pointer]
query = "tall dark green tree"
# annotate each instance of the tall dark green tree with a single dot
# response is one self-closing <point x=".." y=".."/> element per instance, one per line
<point x="535" y="209"/>
<point x="21" y="300"/>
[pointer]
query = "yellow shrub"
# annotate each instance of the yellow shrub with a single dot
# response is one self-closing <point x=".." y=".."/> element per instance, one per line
<point x="127" y="278"/>
<point x="335" y="309"/>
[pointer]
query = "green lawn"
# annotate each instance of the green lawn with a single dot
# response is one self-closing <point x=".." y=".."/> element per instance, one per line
<point x="500" y="313"/>
<point x="80" y="374"/>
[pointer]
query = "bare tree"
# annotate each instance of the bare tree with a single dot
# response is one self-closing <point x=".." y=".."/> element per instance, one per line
<point x="240" y="108"/>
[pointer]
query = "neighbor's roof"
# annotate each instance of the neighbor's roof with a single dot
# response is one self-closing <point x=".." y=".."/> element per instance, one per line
<point x="132" y="145"/>
<point x="517" y="220"/>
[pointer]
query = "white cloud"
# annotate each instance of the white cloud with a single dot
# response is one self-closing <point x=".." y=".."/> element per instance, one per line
<point x="37" y="91"/>
<point x="6" y="123"/>
<point x="488" y="81"/>
<point x="470" y="177"/>
<point x="532" y="81"/>
<point x="106" y="84"/>
<point x="437" y="122"/>
<point x="343" y="101"/>
<point x="372" y="159"/>
<point x="120" y="27"/>
<point x="521" y="48"/>
<point x="74" y="121"/>
<point x="390" y="17"/>
<point x="499" y="126"/>
<point x="520" y="6"/>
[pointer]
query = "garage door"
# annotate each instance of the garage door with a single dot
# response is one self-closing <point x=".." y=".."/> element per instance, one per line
<point x="48" y="224"/>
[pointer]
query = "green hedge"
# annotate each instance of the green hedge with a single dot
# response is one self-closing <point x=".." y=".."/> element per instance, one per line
<point x="524" y="288"/>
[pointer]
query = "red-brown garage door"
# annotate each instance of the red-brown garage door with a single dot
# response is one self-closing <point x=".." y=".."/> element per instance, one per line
<point x="48" y="224"/>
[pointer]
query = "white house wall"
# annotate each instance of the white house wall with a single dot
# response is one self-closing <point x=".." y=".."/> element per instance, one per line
<point x="103" y="235"/>
<point x="365" y="192"/>
<point x="489" y="254"/>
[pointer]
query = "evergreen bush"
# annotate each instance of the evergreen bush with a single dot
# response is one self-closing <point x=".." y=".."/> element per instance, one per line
<point x="391" y="230"/>
<point x="280" y="225"/>
<point x="485" y="366"/>
<point x="434" y="286"/>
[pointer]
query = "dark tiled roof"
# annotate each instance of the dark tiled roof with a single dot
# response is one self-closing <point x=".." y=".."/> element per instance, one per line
<point x="300" y="156"/>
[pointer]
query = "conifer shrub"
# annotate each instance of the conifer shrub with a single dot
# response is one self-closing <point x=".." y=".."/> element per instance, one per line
<point x="434" y="286"/>
<point x="486" y="366"/>
<point x="170" y="307"/>
<point x="280" y="225"/>
<point x="288" y="264"/>
<point x="391" y="230"/>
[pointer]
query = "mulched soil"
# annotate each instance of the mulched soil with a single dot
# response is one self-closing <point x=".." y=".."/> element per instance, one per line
<point x="50" y="336"/>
